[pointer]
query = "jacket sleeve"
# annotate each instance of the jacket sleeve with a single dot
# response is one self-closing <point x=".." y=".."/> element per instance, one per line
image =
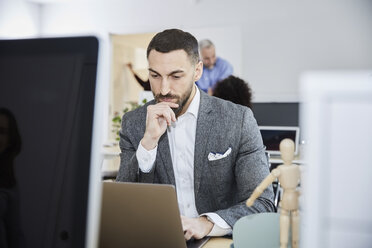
<point x="129" y="140"/>
<point x="251" y="167"/>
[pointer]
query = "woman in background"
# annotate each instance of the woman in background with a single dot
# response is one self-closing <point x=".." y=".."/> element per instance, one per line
<point x="235" y="90"/>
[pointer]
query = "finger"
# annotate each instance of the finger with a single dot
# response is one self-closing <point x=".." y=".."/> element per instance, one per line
<point x="170" y="104"/>
<point x="184" y="223"/>
<point x="188" y="235"/>
<point x="167" y="116"/>
<point x="173" y="116"/>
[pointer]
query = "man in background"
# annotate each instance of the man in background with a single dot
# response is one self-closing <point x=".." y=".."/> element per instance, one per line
<point x="214" y="68"/>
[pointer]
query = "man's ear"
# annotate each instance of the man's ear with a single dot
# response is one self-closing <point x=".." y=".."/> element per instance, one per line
<point x="198" y="71"/>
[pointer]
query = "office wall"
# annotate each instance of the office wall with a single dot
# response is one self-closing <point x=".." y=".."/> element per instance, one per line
<point x="280" y="39"/>
<point x="19" y="19"/>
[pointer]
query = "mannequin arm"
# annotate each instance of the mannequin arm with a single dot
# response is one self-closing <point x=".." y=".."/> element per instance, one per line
<point x="262" y="186"/>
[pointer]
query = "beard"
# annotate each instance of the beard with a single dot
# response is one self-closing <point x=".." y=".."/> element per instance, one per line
<point x="180" y="100"/>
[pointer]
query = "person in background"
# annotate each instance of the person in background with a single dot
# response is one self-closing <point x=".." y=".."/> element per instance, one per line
<point x="234" y="89"/>
<point x="170" y="140"/>
<point x="214" y="68"/>
<point x="11" y="235"/>
<point x="145" y="84"/>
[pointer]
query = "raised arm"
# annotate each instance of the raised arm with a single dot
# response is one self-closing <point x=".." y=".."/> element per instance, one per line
<point x="263" y="185"/>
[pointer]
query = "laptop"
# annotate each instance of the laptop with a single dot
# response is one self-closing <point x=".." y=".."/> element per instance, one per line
<point x="141" y="215"/>
<point x="273" y="135"/>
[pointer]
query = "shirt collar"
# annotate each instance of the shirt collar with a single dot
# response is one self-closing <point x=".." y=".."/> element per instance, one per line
<point x="194" y="105"/>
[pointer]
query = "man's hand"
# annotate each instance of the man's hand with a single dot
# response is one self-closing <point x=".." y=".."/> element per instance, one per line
<point x="196" y="228"/>
<point x="159" y="116"/>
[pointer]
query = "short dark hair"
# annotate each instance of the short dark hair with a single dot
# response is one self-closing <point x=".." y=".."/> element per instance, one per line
<point x="235" y="90"/>
<point x="175" y="39"/>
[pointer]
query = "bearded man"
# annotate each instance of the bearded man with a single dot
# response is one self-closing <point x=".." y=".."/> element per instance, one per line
<point x="210" y="149"/>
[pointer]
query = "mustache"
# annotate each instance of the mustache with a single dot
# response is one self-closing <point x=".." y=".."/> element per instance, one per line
<point x="159" y="97"/>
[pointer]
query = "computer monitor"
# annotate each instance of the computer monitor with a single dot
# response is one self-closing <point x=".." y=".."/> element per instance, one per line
<point x="47" y="93"/>
<point x="336" y="187"/>
<point x="273" y="135"/>
<point x="276" y="113"/>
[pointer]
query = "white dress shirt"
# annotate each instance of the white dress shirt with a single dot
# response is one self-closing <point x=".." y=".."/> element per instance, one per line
<point x="181" y="137"/>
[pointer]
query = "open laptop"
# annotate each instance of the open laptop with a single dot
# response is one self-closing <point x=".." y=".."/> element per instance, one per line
<point x="141" y="215"/>
<point x="273" y="135"/>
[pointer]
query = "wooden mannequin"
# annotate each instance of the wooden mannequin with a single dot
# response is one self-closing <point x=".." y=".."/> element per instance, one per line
<point x="289" y="176"/>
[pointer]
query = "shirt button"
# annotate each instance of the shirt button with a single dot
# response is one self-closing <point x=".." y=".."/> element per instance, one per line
<point x="188" y="206"/>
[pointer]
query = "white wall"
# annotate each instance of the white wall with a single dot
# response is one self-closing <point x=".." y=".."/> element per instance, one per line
<point x="280" y="39"/>
<point x="277" y="40"/>
<point x="19" y="19"/>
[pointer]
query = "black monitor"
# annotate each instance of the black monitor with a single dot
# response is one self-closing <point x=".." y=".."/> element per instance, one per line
<point x="276" y="113"/>
<point x="47" y="92"/>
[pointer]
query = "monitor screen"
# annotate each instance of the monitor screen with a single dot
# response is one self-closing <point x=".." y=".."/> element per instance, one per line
<point x="273" y="135"/>
<point x="276" y="113"/>
<point x="47" y="91"/>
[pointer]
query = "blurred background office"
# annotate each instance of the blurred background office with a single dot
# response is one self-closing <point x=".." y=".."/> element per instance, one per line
<point x="268" y="43"/>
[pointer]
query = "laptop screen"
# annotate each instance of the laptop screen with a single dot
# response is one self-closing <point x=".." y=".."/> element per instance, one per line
<point x="273" y="135"/>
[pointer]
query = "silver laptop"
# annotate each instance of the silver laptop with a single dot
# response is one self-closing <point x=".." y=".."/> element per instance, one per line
<point x="273" y="135"/>
<point x="141" y="215"/>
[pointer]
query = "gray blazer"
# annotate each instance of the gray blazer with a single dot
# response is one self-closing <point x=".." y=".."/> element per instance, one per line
<point x="221" y="186"/>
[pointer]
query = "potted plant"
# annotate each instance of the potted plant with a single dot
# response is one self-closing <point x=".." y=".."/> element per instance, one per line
<point x="116" y="120"/>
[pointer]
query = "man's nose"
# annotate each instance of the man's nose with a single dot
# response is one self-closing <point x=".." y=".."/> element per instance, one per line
<point x="164" y="90"/>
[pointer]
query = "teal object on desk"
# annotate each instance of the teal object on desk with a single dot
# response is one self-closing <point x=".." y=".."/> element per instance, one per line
<point x="257" y="230"/>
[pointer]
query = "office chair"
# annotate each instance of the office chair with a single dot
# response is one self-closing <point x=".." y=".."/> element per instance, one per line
<point x="257" y="230"/>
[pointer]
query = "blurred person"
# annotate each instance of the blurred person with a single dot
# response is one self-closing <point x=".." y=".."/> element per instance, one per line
<point x="234" y="89"/>
<point x="11" y="235"/>
<point x="170" y="140"/>
<point x="144" y="83"/>
<point x="214" y="68"/>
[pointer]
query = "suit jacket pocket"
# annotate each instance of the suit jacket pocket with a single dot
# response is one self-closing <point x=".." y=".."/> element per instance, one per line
<point x="221" y="161"/>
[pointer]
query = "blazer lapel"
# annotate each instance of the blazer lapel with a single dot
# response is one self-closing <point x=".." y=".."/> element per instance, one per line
<point x="201" y="139"/>
<point x="164" y="152"/>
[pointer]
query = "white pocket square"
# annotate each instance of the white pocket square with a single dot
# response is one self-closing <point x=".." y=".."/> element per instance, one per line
<point x="216" y="156"/>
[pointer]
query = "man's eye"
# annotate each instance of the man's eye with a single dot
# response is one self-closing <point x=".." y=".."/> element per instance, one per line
<point x="176" y="77"/>
<point x="154" y="75"/>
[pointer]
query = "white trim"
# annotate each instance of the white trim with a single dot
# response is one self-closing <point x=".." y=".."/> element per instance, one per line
<point x="100" y="117"/>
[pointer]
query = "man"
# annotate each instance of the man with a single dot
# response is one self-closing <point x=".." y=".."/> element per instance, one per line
<point x="210" y="149"/>
<point x="215" y="68"/>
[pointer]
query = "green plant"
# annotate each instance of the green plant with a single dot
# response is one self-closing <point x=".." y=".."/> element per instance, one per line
<point x="116" y="120"/>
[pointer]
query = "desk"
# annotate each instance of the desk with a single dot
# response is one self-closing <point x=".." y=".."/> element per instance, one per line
<point x="110" y="152"/>
<point x="278" y="160"/>
<point x="217" y="242"/>
<point x="110" y="162"/>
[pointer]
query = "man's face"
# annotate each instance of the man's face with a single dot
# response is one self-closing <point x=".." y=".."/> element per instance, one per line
<point x="209" y="56"/>
<point x="172" y="76"/>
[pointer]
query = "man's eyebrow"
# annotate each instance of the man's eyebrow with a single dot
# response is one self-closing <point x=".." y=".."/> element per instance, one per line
<point x="154" y="71"/>
<point x="175" y="72"/>
<point x="170" y="74"/>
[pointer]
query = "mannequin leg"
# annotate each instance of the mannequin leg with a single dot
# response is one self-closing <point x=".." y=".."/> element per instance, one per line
<point x="284" y="228"/>
<point x="295" y="228"/>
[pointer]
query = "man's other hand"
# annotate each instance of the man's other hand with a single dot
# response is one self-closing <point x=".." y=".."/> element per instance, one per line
<point x="196" y="228"/>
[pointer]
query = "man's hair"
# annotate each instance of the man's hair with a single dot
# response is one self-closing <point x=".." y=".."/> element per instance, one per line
<point x="235" y="90"/>
<point x="205" y="44"/>
<point x="175" y="39"/>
